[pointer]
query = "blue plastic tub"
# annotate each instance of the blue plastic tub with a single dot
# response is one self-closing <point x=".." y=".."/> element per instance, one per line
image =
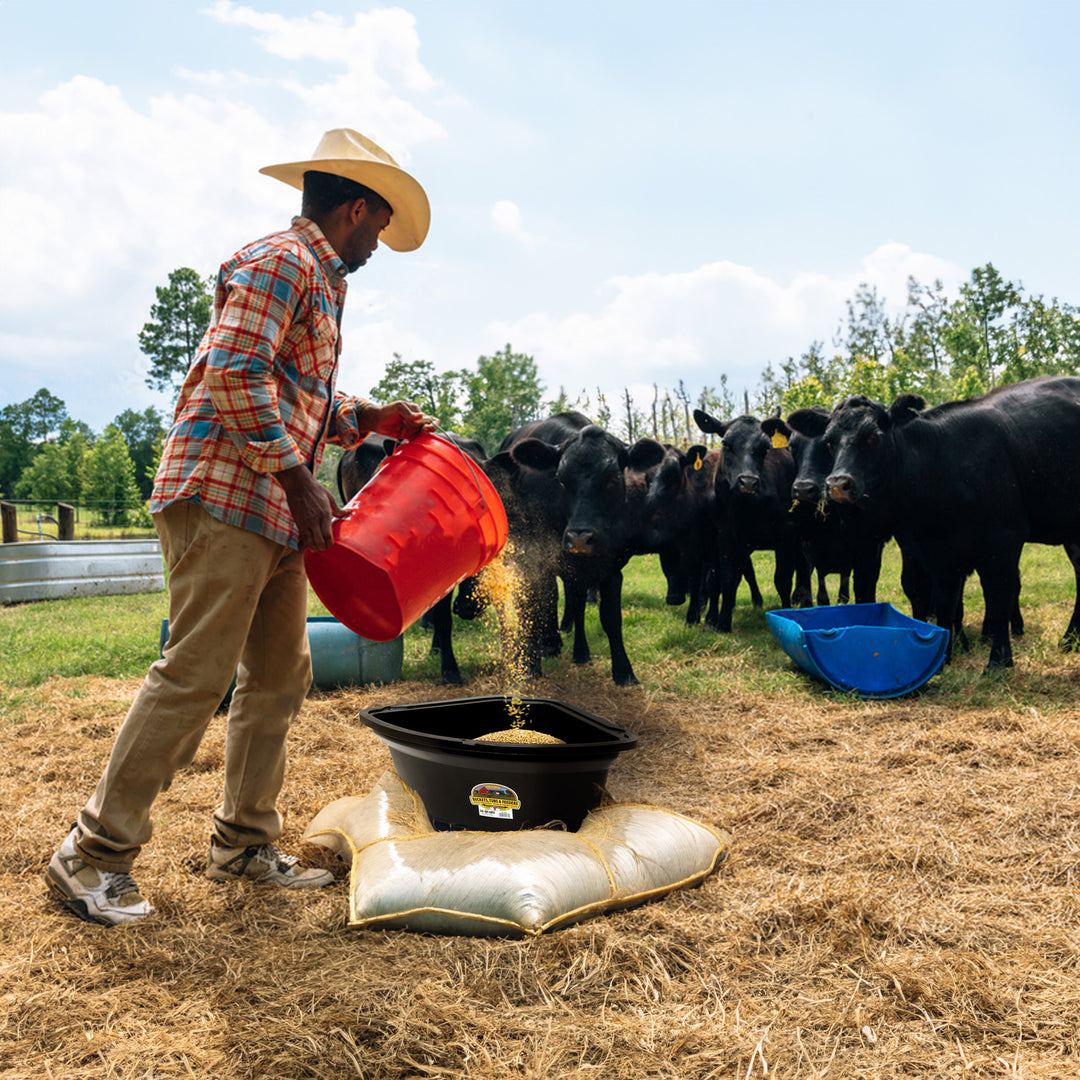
<point x="871" y="650"/>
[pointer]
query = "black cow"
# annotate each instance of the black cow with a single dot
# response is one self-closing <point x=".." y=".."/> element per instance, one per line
<point x="963" y="487"/>
<point x="566" y="484"/>
<point x="355" y="468"/>
<point x="753" y="494"/>
<point x="839" y="539"/>
<point x="670" y="495"/>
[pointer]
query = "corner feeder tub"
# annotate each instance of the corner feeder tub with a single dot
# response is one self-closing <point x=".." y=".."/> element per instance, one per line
<point x="871" y="650"/>
<point x="491" y="786"/>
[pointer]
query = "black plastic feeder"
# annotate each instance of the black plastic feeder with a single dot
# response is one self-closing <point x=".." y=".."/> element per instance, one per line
<point x="466" y="784"/>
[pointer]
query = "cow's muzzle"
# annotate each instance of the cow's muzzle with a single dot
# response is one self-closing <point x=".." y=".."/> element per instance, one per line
<point x="579" y="541"/>
<point x="841" y="488"/>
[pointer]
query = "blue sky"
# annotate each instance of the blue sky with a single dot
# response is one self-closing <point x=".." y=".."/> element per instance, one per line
<point x="632" y="193"/>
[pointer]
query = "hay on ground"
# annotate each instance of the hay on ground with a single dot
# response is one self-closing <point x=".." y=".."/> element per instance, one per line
<point x="901" y="900"/>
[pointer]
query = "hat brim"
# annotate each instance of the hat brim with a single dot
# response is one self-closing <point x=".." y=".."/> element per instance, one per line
<point x="411" y="211"/>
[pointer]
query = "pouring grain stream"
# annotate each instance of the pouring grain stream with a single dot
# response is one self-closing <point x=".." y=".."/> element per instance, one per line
<point x="499" y="584"/>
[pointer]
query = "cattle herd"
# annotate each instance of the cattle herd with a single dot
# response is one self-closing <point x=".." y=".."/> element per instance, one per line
<point x="961" y="487"/>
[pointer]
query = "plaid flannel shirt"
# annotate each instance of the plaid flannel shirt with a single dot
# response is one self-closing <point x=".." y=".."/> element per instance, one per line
<point x="259" y="396"/>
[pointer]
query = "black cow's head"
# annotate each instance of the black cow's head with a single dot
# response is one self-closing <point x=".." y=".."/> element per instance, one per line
<point x="858" y="436"/>
<point x="590" y="474"/>
<point x="654" y="492"/>
<point x="358" y="465"/>
<point x="524" y="477"/>
<point x="745" y="444"/>
<point x="812" y="456"/>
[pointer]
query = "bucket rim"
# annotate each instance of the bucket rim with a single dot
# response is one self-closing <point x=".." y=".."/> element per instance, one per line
<point x="379" y="719"/>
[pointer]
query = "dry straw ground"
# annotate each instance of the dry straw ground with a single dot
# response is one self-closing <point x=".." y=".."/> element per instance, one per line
<point x="900" y="901"/>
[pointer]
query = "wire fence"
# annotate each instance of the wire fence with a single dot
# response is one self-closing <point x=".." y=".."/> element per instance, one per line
<point x="35" y="519"/>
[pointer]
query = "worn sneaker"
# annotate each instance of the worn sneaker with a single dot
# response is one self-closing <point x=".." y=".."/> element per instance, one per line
<point x="266" y="863"/>
<point x="98" y="896"/>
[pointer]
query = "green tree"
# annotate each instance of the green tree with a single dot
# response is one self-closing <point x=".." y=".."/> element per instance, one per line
<point x="804" y="394"/>
<point x="55" y="473"/>
<point x="23" y="428"/>
<point x="177" y="323"/>
<point x="108" y="479"/>
<point x="143" y="432"/>
<point x="978" y="334"/>
<point x="438" y="394"/>
<point x="502" y="394"/>
<point x="869" y="332"/>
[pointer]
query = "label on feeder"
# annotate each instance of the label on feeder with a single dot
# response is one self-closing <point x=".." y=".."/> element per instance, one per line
<point x="495" y="800"/>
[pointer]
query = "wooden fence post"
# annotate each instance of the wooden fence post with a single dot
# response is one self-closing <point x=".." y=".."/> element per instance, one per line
<point x="10" y="522"/>
<point x="66" y="514"/>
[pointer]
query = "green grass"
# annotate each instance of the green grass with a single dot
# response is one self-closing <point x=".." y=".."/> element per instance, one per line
<point x="118" y="636"/>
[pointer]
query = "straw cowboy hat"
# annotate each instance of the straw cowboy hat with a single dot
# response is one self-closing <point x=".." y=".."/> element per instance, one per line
<point x="347" y="153"/>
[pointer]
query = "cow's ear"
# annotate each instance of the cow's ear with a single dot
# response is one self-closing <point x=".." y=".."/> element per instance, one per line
<point x="646" y="454"/>
<point x="709" y="424"/>
<point x="695" y="456"/>
<point x="536" y="454"/>
<point x="777" y="431"/>
<point x="905" y="408"/>
<point x="809" y="422"/>
<point x="501" y="462"/>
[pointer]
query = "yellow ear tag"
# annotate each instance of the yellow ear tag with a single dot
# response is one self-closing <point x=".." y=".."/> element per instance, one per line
<point x="779" y="440"/>
<point x="697" y="463"/>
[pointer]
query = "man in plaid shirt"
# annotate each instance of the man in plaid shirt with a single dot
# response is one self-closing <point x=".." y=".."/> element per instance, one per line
<point x="235" y="502"/>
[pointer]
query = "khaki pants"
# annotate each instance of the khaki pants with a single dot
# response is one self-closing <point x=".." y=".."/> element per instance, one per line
<point x="237" y="604"/>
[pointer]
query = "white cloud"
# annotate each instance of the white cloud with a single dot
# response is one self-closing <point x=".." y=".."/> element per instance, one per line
<point x="720" y="318"/>
<point x="95" y="185"/>
<point x="506" y="217"/>
<point x="375" y="53"/>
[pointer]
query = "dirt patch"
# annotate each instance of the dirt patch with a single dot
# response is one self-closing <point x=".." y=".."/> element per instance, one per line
<point x="900" y="900"/>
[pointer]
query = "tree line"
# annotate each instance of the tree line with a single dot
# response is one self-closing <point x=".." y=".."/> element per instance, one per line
<point x="944" y="348"/>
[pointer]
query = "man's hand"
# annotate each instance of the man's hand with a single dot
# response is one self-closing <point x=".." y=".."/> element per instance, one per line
<point x="399" y="419"/>
<point x="313" y="507"/>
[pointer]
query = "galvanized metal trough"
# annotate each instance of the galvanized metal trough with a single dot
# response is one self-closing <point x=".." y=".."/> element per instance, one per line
<point x="60" y="570"/>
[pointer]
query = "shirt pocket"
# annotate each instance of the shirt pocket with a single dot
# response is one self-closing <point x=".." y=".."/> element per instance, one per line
<point x="314" y="346"/>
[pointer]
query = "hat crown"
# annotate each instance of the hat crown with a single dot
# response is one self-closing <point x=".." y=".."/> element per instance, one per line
<point x="344" y="143"/>
<point x="345" y="152"/>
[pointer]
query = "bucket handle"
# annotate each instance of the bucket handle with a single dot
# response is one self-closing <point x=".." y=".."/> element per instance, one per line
<point x="469" y="463"/>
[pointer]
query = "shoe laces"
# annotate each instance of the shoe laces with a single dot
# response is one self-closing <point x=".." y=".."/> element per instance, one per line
<point x="118" y="883"/>
<point x="272" y="851"/>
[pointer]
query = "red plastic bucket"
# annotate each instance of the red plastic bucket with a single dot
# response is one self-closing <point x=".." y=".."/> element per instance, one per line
<point x="425" y="521"/>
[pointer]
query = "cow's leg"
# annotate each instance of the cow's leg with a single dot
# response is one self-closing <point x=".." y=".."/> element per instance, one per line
<point x="675" y="573"/>
<point x="822" y="590"/>
<point x="523" y="647"/>
<point x="783" y="574"/>
<point x="611" y="621"/>
<point x="843" y="596"/>
<point x="695" y="574"/>
<point x="442" y="622"/>
<point x="1070" y="640"/>
<point x="866" y="569"/>
<point x="918" y="588"/>
<point x="803" y="594"/>
<point x="575" y="608"/>
<point x="1001" y="591"/>
<point x="726" y="585"/>
<point x="946" y="594"/>
<point x="547" y="616"/>
<point x="751" y="583"/>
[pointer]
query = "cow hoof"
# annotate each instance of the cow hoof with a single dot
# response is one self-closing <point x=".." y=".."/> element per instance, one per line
<point x="626" y="680"/>
<point x="552" y="647"/>
<point x="1070" y="643"/>
<point x="452" y="678"/>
